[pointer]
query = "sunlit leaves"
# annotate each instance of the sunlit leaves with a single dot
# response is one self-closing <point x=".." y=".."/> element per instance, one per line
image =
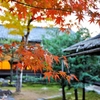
<point x="34" y="58"/>
<point x="16" y="20"/>
<point x="52" y="9"/>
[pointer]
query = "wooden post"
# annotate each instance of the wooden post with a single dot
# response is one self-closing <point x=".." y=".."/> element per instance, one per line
<point x="63" y="83"/>
<point x="83" y="96"/>
<point x="76" y="94"/>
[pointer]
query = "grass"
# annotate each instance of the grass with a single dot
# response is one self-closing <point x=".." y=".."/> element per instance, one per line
<point x="38" y="88"/>
<point x="90" y="95"/>
<point x="53" y="89"/>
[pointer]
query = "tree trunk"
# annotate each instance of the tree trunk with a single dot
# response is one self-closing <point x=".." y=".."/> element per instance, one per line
<point x="11" y="72"/>
<point x="11" y="68"/>
<point x="25" y="37"/>
<point x="19" y="75"/>
<point x="63" y="89"/>
<point x="76" y="94"/>
<point x="19" y="81"/>
<point x="83" y="96"/>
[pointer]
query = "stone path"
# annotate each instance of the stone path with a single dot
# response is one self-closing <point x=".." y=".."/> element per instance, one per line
<point x="6" y="98"/>
<point x="88" y="88"/>
<point x="53" y="96"/>
<point x="93" y="88"/>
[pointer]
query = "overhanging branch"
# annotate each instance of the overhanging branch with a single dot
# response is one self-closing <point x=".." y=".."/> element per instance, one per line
<point x="67" y="10"/>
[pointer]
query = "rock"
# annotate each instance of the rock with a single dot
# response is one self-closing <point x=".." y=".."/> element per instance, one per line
<point x="4" y="84"/>
<point x="41" y="99"/>
<point x="1" y="92"/>
<point x="10" y="98"/>
<point x="44" y="88"/>
<point x="5" y="92"/>
<point x="1" y="80"/>
<point x="6" y="98"/>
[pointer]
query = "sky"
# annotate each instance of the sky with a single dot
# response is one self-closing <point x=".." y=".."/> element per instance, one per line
<point x="94" y="29"/>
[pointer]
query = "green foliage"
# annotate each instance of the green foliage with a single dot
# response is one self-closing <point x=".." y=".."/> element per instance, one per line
<point x="7" y="41"/>
<point x="33" y="79"/>
<point x="82" y="66"/>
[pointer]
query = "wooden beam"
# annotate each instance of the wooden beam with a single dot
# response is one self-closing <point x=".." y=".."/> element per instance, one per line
<point x="89" y="52"/>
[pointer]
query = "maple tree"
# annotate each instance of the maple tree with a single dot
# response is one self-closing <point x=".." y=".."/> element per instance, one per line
<point x="23" y="12"/>
<point x="32" y="57"/>
<point x="19" y="14"/>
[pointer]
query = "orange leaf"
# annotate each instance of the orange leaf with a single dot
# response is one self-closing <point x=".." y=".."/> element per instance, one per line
<point x="7" y="46"/>
<point x="56" y="76"/>
<point x="48" y="68"/>
<point x="63" y="74"/>
<point x="56" y="59"/>
<point x="29" y="1"/>
<point x="59" y="20"/>
<point x="48" y="60"/>
<point x="48" y="75"/>
<point x="68" y="78"/>
<point x="19" y="65"/>
<point x="13" y="44"/>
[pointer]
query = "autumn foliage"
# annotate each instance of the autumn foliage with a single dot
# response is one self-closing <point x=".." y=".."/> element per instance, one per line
<point x="53" y="10"/>
<point x="18" y="14"/>
<point x="33" y="57"/>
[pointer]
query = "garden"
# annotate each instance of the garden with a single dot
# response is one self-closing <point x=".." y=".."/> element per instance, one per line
<point x="40" y="69"/>
<point x="50" y="91"/>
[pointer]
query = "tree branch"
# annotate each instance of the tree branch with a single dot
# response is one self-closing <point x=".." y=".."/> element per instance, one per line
<point x="67" y="10"/>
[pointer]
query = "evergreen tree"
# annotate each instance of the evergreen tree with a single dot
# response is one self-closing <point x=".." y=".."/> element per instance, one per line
<point x="82" y="66"/>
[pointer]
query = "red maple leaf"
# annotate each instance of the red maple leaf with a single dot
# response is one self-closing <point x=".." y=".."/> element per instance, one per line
<point x="98" y="22"/>
<point x="80" y="17"/>
<point x="59" y="20"/>
<point x="91" y="20"/>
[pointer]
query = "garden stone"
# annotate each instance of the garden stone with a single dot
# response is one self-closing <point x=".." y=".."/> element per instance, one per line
<point x="10" y="98"/>
<point x="4" y="84"/>
<point x="1" y="92"/>
<point x="6" y="98"/>
<point x="44" y="88"/>
<point x="6" y="92"/>
<point x="1" y="80"/>
<point x="41" y="99"/>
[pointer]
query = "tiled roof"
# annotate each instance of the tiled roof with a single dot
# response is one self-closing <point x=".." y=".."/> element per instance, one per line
<point x="36" y="34"/>
<point x="90" y="46"/>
